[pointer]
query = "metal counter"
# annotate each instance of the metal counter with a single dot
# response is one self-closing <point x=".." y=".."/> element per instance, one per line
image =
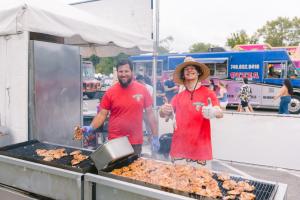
<point x="8" y="193"/>
<point x="108" y="188"/>
<point x="41" y="179"/>
<point x="103" y="188"/>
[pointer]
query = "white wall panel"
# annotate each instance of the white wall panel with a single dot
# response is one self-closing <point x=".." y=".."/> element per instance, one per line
<point x="14" y="85"/>
<point x="271" y="140"/>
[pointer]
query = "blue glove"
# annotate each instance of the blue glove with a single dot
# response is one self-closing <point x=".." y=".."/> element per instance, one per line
<point x="155" y="144"/>
<point x="87" y="131"/>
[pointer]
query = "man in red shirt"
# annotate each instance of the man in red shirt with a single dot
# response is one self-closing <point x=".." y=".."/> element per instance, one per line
<point x="126" y="101"/>
<point x="193" y="107"/>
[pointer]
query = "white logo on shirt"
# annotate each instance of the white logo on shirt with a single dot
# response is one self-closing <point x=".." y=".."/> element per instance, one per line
<point x="137" y="97"/>
<point x="198" y="105"/>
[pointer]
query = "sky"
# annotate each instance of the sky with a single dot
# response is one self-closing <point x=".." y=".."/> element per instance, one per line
<point x="213" y="21"/>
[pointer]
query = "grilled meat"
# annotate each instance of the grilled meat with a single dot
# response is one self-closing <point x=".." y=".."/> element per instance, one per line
<point x="51" y="154"/>
<point x="247" y="196"/>
<point x="78" y="158"/>
<point x="78" y="134"/>
<point x="185" y="178"/>
<point x="75" y="152"/>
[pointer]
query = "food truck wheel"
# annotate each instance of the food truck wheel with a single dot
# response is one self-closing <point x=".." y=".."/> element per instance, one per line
<point x="294" y="106"/>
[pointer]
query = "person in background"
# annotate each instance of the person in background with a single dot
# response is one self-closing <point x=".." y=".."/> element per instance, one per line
<point x="285" y="93"/>
<point x="223" y="96"/>
<point x="245" y="95"/>
<point x="148" y="80"/>
<point x="160" y="93"/>
<point x="147" y="131"/>
<point x="126" y="101"/>
<point x="212" y="85"/>
<point x="193" y="108"/>
<point x="170" y="87"/>
<point x="141" y="79"/>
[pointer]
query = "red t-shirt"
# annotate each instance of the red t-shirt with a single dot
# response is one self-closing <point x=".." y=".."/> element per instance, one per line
<point x="126" y="107"/>
<point x="192" y="139"/>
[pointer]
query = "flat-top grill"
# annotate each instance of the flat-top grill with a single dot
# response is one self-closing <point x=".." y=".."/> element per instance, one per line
<point x="27" y="151"/>
<point x="263" y="191"/>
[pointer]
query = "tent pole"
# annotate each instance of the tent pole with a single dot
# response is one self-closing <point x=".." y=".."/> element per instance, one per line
<point x="155" y="48"/>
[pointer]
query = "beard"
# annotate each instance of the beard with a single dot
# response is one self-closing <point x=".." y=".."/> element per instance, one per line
<point x="125" y="84"/>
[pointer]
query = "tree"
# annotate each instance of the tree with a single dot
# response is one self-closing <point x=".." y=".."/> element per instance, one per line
<point x="200" y="47"/>
<point x="281" y="32"/>
<point x="107" y="64"/>
<point x="94" y="59"/>
<point x="164" y="45"/>
<point x="241" y="37"/>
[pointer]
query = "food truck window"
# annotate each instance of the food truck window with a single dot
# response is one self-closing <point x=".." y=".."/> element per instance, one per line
<point x="291" y="71"/>
<point x="275" y="69"/>
<point x="145" y="67"/>
<point x="217" y="66"/>
<point x="212" y="69"/>
<point x="221" y="70"/>
<point x="217" y="69"/>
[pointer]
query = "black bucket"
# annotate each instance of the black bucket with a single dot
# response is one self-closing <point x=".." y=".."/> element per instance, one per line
<point x="165" y="141"/>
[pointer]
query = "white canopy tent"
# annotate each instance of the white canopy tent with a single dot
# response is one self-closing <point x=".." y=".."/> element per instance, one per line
<point x="19" y="19"/>
<point x="77" y="27"/>
<point x="132" y="15"/>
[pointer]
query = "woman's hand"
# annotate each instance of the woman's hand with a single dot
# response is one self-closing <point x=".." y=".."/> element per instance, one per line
<point x="166" y="110"/>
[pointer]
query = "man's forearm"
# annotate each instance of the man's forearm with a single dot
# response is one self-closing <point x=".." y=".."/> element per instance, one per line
<point x="99" y="120"/>
<point x="152" y="122"/>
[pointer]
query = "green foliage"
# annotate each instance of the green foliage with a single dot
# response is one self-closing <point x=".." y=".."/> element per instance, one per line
<point x="281" y="32"/>
<point x="241" y="37"/>
<point x="106" y="65"/>
<point x="94" y="59"/>
<point x="200" y="47"/>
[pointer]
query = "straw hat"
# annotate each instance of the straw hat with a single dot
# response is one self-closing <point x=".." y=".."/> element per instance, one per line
<point x="190" y="61"/>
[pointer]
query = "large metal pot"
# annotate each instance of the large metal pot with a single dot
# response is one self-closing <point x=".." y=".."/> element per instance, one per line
<point x="111" y="151"/>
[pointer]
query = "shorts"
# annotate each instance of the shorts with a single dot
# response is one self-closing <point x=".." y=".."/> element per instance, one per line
<point x="244" y="104"/>
<point x="223" y="104"/>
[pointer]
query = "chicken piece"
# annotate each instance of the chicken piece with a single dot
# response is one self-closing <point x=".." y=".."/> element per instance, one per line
<point x="229" y="197"/>
<point x="117" y="171"/>
<point x="78" y="158"/>
<point x="247" y="196"/>
<point x="245" y="186"/>
<point x="75" y="162"/>
<point x="59" y="155"/>
<point x="229" y="184"/>
<point x="48" y="158"/>
<point x="223" y="177"/>
<point x="60" y="150"/>
<point x="40" y="152"/>
<point x="75" y="152"/>
<point x="77" y="134"/>
<point x="234" y="192"/>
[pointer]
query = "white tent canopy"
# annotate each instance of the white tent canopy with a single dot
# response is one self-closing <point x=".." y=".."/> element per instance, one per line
<point x="132" y="15"/>
<point x="77" y="27"/>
